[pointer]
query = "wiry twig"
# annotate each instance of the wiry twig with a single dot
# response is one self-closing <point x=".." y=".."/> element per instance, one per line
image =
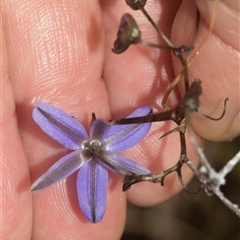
<point x="212" y="180"/>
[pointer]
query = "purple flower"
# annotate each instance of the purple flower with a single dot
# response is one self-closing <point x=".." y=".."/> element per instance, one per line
<point x="92" y="155"/>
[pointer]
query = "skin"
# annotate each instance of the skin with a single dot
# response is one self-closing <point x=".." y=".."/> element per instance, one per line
<point x="59" y="52"/>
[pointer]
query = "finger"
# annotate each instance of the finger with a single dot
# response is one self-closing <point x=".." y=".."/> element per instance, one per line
<point x="226" y="19"/>
<point x="16" y="215"/>
<point x="217" y="65"/>
<point x="140" y="76"/>
<point x="133" y="77"/>
<point x="57" y="57"/>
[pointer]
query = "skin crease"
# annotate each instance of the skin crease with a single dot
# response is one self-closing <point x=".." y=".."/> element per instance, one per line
<point x="59" y="52"/>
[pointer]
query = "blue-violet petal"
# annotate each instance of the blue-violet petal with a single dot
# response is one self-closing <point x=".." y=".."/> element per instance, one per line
<point x="120" y="164"/>
<point x="61" y="169"/>
<point x="121" y="137"/>
<point x="99" y="129"/>
<point x="92" y="182"/>
<point x="60" y="126"/>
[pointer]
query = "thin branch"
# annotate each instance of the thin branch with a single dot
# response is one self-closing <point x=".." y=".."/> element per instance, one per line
<point x="212" y="180"/>
<point x="164" y="37"/>
<point x="230" y="165"/>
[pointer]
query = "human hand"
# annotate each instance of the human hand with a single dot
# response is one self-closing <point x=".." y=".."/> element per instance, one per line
<point x="60" y="53"/>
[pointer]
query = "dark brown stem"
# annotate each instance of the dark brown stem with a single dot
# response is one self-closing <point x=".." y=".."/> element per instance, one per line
<point x="164" y="37"/>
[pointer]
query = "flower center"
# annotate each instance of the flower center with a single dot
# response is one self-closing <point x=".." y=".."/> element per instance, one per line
<point x="95" y="145"/>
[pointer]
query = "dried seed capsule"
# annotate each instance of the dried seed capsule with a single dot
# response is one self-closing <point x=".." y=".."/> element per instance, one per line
<point x="128" y="33"/>
<point x="136" y="4"/>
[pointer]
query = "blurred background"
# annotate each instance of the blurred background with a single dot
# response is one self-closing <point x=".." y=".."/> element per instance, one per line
<point x="189" y="216"/>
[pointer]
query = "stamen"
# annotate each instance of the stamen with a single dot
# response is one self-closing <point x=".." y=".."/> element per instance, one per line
<point x="95" y="145"/>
